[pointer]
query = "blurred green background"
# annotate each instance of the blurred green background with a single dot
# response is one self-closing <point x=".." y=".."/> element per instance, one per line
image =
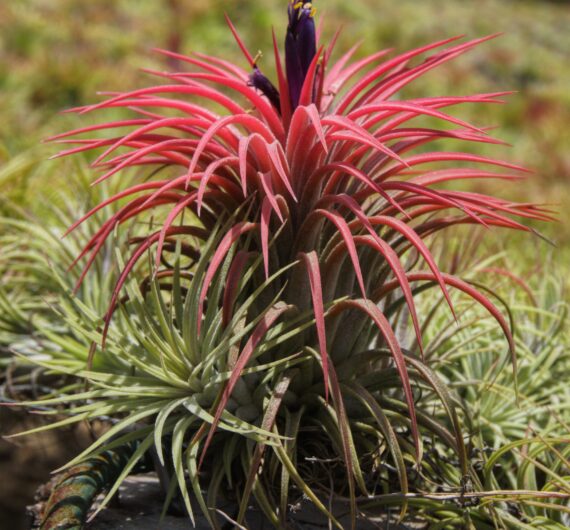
<point x="55" y="54"/>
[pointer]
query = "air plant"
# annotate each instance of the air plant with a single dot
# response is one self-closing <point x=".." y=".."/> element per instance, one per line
<point x="315" y="195"/>
<point x="517" y="443"/>
<point x="34" y="268"/>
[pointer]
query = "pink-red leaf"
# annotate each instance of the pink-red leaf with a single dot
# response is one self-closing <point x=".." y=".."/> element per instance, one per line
<point x="311" y="263"/>
<point x="221" y="251"/>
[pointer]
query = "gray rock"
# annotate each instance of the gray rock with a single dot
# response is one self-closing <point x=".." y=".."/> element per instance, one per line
<point x="139" y="508"/>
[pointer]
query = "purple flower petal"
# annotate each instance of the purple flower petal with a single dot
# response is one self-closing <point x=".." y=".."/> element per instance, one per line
<point x="259" y="81"/>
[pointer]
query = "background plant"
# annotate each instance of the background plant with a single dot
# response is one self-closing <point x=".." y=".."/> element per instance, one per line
<point x="516" y="443"/>
<point x="35" y="269"/>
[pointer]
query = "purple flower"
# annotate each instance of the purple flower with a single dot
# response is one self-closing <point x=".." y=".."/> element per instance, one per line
<point x="259" y="81"/>
<point x="300" y="46"/>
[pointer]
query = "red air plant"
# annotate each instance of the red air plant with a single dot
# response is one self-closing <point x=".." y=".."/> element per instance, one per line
<point x="324" y="168"/>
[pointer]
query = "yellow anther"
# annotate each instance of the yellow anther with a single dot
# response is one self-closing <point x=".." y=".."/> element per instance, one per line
<point x="298" y="5"/>
<point x="257" y="57"/>
<point x="313" y="11"/>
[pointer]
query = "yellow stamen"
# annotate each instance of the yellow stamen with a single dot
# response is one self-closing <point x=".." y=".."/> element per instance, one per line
<point x="298" y="5"/>
<point x="257" y="57"/>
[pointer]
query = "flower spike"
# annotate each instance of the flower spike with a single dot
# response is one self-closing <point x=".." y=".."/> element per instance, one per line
<point x="300" y="46"/>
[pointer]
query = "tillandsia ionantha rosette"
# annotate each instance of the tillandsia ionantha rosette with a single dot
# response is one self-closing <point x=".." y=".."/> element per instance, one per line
<point x="287" y="223"/>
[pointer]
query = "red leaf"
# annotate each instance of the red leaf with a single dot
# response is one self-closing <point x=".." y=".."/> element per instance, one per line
<point x="358" y="174"/>
<point x="265" y="180"/>
<point x="338" y="77"/>
<point x="205" y="65"/>
<point x="284" y="99"/>
<point x="396" y="267"/>
<point x="243" y="119"/>
<point x="234" y="276"/>
<point x="382" y="69"/>
<point x="264" y="107"/>
<point x="240" y="42"/>
<point x="195" y="90"/>
<point x="121" y="195"/>
<point x="98" y="127"/>
<point x="348" y="238"/>
<point x="361" y="136"/>
<point x="311" y="262"/>
<point x="240" y="73"/>
<point x="417" y="242"/>
<point x="225" y="244"/>
<point x="396" y="106"/>
<point x="265" y="219"/>
<point x="182" y="204"/>
<point x="306" y="97"/>
<point x="210" y="170"/>
<point x="473" y="293"/>
<point x="390" y="87"/>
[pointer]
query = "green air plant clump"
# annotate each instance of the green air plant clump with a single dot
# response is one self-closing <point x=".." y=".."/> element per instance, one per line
<point x="257" y="265"/>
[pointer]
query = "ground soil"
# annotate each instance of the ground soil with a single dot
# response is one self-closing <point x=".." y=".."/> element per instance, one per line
<point x="26" y="463"/>
<point x="140" y="504"/>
